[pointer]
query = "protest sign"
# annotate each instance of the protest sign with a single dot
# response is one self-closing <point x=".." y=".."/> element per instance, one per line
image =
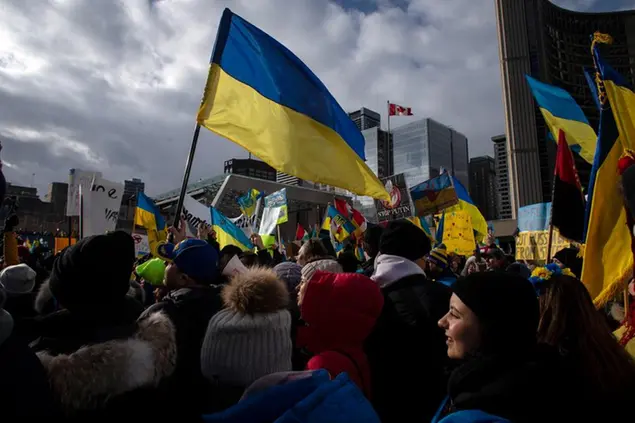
<point x="399" y="206"/>
<point x="100" y="206"/>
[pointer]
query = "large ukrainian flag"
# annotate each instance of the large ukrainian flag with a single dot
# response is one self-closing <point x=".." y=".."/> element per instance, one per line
<point x="608" y="262"/>
<point x="262" y="97"/>
<point x="562" y="113"/>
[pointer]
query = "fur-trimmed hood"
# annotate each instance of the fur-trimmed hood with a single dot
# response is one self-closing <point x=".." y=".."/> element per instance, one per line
<point x="258" y="290"/>
<point x="86" y="379"/>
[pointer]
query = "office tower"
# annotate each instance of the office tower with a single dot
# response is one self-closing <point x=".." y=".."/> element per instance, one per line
<point x="379" y="151"/>
<point x="421" y="148"/>
<point x="551" y="44"/>
<point x="503" y="202"/>
<point x="365" y="118"/>
<point x="483" y="185"/>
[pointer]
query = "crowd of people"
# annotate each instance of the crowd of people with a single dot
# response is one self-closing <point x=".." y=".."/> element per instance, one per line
<point x="411" y="334"/>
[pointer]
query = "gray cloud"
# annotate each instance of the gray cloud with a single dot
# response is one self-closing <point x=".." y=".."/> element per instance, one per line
<point x="115" y="86"/>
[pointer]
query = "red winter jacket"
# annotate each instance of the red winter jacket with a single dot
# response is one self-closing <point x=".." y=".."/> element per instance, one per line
<point x="340" y="311"/>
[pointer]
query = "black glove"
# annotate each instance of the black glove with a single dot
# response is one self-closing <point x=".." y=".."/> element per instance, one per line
<point x="11" y="222"/>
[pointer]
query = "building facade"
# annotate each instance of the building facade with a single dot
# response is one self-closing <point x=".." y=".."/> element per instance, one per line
<point x="551" y="44"/>
<point x="379" y="151"/>
<point x="36" y="215"/>
<point x="250" y="167"/>
<point x="503" y="200"/>
<point x="421" y="148"/>
<point x="365" y="118"/>
<point x="483" y="185"/>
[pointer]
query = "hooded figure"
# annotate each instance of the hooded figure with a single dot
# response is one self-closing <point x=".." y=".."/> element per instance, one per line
<point x="89" y="285"/>
<point x="248" y="339"/>
<point x="335" y="334"/>
<point x="406" y="348"/>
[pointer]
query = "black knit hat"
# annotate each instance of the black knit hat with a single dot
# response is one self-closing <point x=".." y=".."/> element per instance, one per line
<point x="372" y="237"/>
<point x="402" y="238"/>
<point x="506" y="306"/>
<point x="94" y="272"/>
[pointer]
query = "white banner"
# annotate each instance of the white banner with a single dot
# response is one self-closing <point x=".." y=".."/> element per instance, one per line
<point x="274" y="213"/>
<point x="78" y="178"/>
<point x="195" y="214"/>
<point x="141" y="244"/>
<point x="100" y="207"/>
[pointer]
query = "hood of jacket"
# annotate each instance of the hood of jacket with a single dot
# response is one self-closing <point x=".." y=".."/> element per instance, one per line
<point x="340" y="310"/>
<point x="87" y="378"/>
<point x="390" y="269"/>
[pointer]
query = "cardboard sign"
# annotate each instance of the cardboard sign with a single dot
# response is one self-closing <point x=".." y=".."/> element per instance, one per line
<point x="532" y="245"/>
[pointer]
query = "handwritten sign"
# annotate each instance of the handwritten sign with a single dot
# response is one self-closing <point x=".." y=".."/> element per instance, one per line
<point x="434" y="195"/>
<point x="100" y="206"/>
<point x="532" y="245"/>
<point x="458" y="233"/>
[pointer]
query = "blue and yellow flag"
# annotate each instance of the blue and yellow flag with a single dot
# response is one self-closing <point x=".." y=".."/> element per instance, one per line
<point x="607" y="259"/>
<point x="340" y="227"/>
<point x="227" y="233"/>
<point x="248" y="202"/>
<point x="466" y="204"/>
<point x="265" y="99"/>
<point x="562" y="113"/>
<point x="148" y="215"/>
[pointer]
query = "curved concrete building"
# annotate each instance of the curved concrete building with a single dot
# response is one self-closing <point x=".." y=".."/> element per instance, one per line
<point x="552" y="44"/>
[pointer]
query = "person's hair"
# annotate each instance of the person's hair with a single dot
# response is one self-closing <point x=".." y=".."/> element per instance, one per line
<point x="226" y="254"/>
<point x="249" y="259"/>
<point x="570" y="322"/>
<point x="348" y="261"/>
<point x="313" y="248"/>
<point x="371" y="240"/>
<point x="293" y="250"/>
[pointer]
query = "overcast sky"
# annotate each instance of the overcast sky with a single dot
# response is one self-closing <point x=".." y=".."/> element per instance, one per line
<point x="114" y="85"/>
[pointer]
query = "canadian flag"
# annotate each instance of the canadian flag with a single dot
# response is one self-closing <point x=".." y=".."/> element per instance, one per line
<point x="397" y="110"/>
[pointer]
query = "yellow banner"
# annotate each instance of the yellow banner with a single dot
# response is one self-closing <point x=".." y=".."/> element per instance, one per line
<point x="532" y="245"/>
<point x="458" y="233"/>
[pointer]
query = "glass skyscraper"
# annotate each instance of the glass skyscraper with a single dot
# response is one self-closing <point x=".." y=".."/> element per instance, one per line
<point x="421" y="148"/>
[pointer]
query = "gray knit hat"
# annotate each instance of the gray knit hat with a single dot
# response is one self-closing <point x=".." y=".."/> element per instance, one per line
<point x="323" y="264"/>
<point x="290" y="273"/>
<point x="251" y="336"/>
<point x="18" y="279"/>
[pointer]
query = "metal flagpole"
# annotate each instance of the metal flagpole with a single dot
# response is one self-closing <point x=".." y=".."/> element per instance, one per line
<point x="388" y="106"/>
<point x="186" y="176"/>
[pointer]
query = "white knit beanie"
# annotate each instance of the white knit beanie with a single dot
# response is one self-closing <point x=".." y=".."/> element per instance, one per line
<point x="251" y="337"/>
<point x="322" y="264"/>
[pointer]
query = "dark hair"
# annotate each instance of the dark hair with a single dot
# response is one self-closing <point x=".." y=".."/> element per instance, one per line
<point x="348" y="261"/>
<point x="249" y="259"/>
<point x="313" y="248"/>
<point x="371" y="240"/>
<point x="570" y="322"/>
